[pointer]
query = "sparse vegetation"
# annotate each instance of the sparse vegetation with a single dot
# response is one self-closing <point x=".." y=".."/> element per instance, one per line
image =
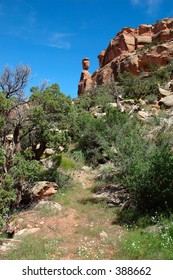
<point x="154" y="243"/>
<point x="34" y="248"/>
<point x="67" y="135"/>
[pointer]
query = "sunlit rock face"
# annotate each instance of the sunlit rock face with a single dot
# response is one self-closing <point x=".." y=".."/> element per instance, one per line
<point x="85" y="82"/>
<point x="132" y="50"/>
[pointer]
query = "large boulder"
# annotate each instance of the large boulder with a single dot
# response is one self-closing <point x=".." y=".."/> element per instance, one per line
<point x="43" y="188"/>
<point x="144" y="116"/>
<point x="163" y="92"/>
<point x="167" y="101"/>
<point x="114" y="195"/>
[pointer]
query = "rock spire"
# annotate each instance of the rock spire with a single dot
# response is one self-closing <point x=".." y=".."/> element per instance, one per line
<point x="85" y="82"/>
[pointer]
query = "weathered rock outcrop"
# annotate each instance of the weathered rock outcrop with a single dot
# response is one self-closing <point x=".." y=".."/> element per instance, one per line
<point x="85" y="82"/>
<point x="42" y="189"/>
<point x="132" y="50"/>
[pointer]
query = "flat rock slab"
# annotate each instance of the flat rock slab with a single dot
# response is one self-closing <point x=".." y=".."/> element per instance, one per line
<point x="52" y="206"/>
<point x="25" y="232"/>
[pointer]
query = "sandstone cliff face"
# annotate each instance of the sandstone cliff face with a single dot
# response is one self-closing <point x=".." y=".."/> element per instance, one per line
<point x="132" y="50"/>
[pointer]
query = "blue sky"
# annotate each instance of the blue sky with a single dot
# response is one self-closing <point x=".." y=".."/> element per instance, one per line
<point x="52" y="36"/>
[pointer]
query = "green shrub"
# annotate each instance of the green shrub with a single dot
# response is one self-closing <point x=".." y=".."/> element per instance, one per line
<point x="7" y="193"/>
<point x="92" y="142"/>
<point x="77" y="128"/>
<point x="68" y="164"/>
<point x="141" y="245"/>
<point x="152" y="180"/>
<point x="162" y="74"/>
<point x="136" y="87"/>
<point x="146" y="168"/>
<point x="56" y="175"/>
<point x="98" y="138"/>
<point x="26" y="169"/>
<point x="99" y="96"/>
<point x="78" y="157"/>
<point x="63" y="180"/>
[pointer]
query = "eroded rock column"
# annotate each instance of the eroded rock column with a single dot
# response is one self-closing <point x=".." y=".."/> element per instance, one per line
<point x="85" y="82"/>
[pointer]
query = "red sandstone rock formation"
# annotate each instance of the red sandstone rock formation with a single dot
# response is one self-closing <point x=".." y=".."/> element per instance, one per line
<point x="128" y="51"/>
<point x="85" y="82"/>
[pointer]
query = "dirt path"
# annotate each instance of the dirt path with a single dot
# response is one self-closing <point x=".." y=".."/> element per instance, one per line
<point x="83" y="229"/>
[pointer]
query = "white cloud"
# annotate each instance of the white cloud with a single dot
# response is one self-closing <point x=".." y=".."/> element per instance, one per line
<point x="58" y="40"/>
<point x="28" y="26"/>
<point x="151" y="5"/>
<point x="42" y="37"/>
<point x="60" y="45"/>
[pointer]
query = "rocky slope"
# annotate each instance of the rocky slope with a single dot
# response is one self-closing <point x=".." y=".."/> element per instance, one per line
<point x="134" y="50"/>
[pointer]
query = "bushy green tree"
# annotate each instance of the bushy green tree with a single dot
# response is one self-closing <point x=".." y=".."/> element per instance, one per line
<point x="27" y="128"/>
<point x="7" y="193"/>
<point x="48" y="120"/>
<point x="92" y="142"/>
<point x="25" y="169"/>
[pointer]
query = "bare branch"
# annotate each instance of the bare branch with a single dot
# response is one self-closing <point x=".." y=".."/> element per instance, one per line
<point x="12" y="82"/>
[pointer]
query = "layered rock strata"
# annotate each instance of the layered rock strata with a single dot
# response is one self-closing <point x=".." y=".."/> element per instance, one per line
<point x="133" y="50"/>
